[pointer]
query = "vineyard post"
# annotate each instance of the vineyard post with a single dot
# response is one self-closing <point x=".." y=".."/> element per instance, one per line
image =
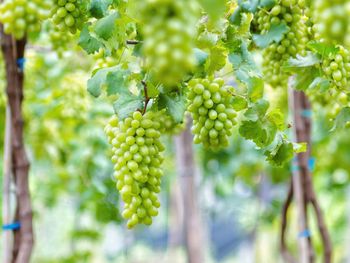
<point x="13" y="53"/>
<point x="301" y="134"/>
<point x="6" y="194"/>
<point x="186" y="172"/>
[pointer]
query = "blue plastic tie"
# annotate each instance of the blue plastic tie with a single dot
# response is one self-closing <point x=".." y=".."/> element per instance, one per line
<point x="12" y="226"/>
<point x="306" y="113"/>
<point x="305" y="234"/>
<point x="311" y="163"/>
<point x="20" y="63"/>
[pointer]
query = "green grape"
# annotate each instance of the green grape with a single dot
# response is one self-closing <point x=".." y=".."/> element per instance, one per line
<point x="211" y="108"/>
<point x="169" y="29"/>
<point x="293" y="42"/>
<point x="59" y="40"/>
<point x="169" y="126"/>
<point x="136" y="150"/>
<point x="69" y="15"/>
<point x="103" y="61"/>
<point x="331" y="21"/>
<point x="21" y="17"/>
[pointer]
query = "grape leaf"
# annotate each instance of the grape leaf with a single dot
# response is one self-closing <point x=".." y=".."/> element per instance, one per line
<point x="98" y="8"/>
<point x="320" y="83"/>
<point x="309" y="60"/>
<point x="214" y="8"/>
<point x="342" y="119"/>
<point x="248" y="5"/>
<point x="257" y="111"/>
<point x="216" y="60"/>
<point x="200" y="56"/>
<point x="304" y="78"/>
<point x="239" y="103"/>
<point x="276" y="116"/>
<point x="104" y="28"/>
<point x="267" y="3"/>
<point x="175" y="106"/>
<point x="126" y="104"/>
<point x="88" y="42"/>
<point x="275" y="34"/>
<point x="116" y="82"/>
<point x="114" y="79"/>
<point x="323" y="49"/>
<point x="281" y="153"/>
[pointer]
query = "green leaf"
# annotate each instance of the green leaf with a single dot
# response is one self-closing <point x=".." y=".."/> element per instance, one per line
<point x="267" y="3"/>
<point x="320" y="83"/>
<point x="215" y="9"/>
<point x="239" y="103"/>
<point x="249" y="5"/>
<point x="104" y="28"/>
<point x="281" y="153"/>
<point x="342" y="120"/>
<point x="126" y="104"/>
<point x="114" y="79"/>
<point x="300" y="147"/>
<point x="302" y="61"/>
<point x="275" y="34"/>
<point x="98" y="8"/>
<point x="276" y="116"/>
<point x="322" y="48"/>
<point x="116" y="82"/>
<point x="200" y="56"/>
<point x="257" y="111"/>
<point x="88" y="42"/>
<point x="216" y="60"/>
<point x="255" y="88"/>
<point x="175" y="106"/>
<point x="304" y="78"/>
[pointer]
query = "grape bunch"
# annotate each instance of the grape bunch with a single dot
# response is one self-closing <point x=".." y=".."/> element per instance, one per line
<point x="60" y="41"/>
<point x="20" y="17"/>
<point x="168" y="29"/>
<point x="169" y="125"/>
<point x="69" y="15"/>
<point x="103" y="61"/>
<point x="289" y="12"/>
<point x="213" y="115"/>
<point x="331" y="21"/>
<point x="136" y="154"/>
<point x="337" y="68"/>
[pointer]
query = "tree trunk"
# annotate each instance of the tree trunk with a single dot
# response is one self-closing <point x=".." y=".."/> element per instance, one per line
<point x="192" y="221"/>
<point x="23" y="238"/>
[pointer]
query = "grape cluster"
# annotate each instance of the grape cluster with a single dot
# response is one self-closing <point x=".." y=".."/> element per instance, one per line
<point x="212" y="112"/>
<point x="337" y="68"/>
<point x="103" y="61"/>
<point x="168" y="30"/>
<point x="169" y="125"/>
<point x="20" y="17"/>
<point x="60" y="41"/>
<point x="289" y="12"/>
<point x="331" y="21"/>
<point x="69" y="15"/>
<point x="136" y="154"/>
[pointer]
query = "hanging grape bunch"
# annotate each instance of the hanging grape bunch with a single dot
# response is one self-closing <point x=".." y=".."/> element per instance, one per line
<point x="169" y="125"/>
<point x="211" y="108"/>
<point x="136" y="154"/>
<point x="337" y="69"/>
<point x="290" y="13"/>
<point x="168" y="29"/>
<point x="331" y="20"/>
<point x="103" y="61"/>
<point x="20" y="17"/>
<point x="69" y="15"/>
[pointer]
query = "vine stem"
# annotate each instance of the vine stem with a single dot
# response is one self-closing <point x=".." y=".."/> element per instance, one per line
<point x="147" y="99"/>
<point x="132" y="42"/>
